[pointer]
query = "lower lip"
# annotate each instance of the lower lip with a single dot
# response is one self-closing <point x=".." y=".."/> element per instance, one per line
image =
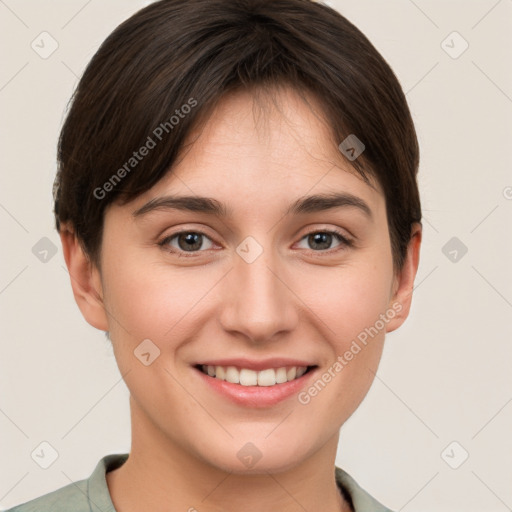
<point x="256" y="396"/>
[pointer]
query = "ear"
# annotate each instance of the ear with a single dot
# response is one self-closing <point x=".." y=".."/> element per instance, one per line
<point x="403" y="283"/>
<point x="85" y="280"/>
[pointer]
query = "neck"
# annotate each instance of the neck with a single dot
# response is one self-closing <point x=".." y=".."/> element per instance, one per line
<point x="162" y="475"/>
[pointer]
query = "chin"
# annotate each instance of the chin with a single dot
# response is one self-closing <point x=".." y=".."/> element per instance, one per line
<point x="258" y="457"/>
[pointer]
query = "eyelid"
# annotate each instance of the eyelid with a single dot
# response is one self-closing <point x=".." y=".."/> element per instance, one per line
<point x="345" y="242"/>
<point x="163" y="243"/>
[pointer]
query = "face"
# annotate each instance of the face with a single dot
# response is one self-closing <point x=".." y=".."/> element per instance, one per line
<point x="258" y="290"/>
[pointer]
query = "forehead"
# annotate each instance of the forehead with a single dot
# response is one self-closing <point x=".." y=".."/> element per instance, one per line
<point x="270" y="147"/>
<point x="274" y="128"/>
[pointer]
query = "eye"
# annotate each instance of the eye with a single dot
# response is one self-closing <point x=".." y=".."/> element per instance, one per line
<point x="321" y="240"/>
<point x="188" y="241"/>
<point x="192" y="241"/>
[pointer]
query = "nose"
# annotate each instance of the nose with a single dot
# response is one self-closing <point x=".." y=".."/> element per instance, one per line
<point x="258" y="300"/>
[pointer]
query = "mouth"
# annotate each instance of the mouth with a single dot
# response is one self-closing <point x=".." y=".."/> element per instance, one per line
<point x="267" y="377"/>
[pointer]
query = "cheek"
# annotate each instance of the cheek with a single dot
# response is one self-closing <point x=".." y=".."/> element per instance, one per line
<point x="155" y="301"/>
<point x="351" y="310"/>
<point x="352" y="300"/>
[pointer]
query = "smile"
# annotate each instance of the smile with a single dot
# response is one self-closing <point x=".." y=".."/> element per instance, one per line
<point x="255" y="383"/>
<point x="247" y="377"/>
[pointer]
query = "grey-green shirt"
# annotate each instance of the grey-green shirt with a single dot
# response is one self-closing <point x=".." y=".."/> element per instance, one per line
<point x="92" y="495"/>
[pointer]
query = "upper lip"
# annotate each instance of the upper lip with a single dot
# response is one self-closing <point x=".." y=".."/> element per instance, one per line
<point x="276" y="362"/>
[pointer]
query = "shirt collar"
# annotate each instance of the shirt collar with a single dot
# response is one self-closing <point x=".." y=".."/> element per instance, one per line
<point x="97" y="488"/>
<point x="100" y="500"/>
<point x="361" y="500"/>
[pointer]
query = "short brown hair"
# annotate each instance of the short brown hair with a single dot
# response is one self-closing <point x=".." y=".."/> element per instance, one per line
<point x="176" y="52"/>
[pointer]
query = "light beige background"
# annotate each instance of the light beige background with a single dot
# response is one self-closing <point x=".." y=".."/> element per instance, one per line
<point x="445" y="375"/>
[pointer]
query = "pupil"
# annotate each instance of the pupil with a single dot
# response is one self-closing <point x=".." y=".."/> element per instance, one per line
<point x="191" y="241"/>
<point x="318" y="237"/>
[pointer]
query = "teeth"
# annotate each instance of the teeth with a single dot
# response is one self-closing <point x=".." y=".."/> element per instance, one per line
<point x="291" y="373"/>
<point x="220" y="373"/>
<point x="232" y="375"/>
<point x="267" y="377"/>
<point x="281" y="376"/>
<point x="246" y="377"/>
<point x="301" y="371"/>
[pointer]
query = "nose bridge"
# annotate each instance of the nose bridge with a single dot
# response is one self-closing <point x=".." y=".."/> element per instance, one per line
<point x="257" y="302"/>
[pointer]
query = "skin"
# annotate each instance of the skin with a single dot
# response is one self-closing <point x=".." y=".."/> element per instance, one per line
<point x="295" y="300"/>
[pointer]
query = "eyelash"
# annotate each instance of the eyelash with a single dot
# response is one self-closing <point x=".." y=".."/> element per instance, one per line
<point x="345" y="242"/>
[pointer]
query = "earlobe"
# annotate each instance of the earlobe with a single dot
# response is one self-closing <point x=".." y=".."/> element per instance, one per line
<point x="85" y="280"/>
<point x="404" y="281"/>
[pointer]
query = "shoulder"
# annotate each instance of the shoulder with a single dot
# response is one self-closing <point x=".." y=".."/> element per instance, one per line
<point x="361" y="500"/>
<point x="87" y="495"/>
<point x="71" y="498"/>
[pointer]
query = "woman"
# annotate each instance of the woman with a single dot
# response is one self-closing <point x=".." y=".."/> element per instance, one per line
<point x="239" y="212"/>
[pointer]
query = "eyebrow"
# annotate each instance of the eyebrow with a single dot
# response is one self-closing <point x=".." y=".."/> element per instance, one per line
<point x="211" y="206"/>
